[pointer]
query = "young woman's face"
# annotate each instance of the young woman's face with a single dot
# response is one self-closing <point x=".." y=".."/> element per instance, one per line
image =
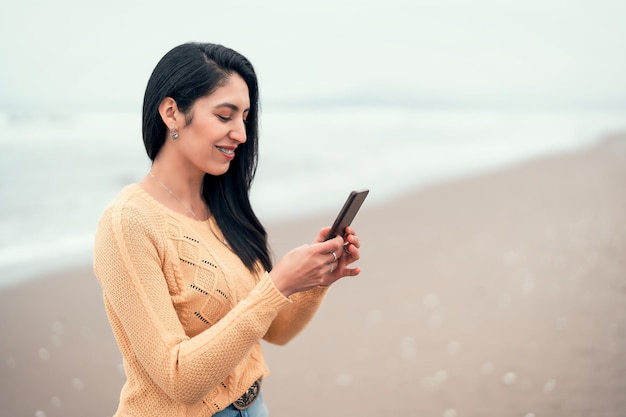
<point x="218" y="126"/>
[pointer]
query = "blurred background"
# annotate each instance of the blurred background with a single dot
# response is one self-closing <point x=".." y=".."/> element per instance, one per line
<point x="355" y="94"/>
<point x="510" y="294"/>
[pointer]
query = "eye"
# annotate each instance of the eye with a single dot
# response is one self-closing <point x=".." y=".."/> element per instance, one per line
<point x="223" y="118"/>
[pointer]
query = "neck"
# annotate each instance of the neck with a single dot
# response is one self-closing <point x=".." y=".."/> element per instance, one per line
<point x="186" y="192"/>
<point x="187" y="189"/>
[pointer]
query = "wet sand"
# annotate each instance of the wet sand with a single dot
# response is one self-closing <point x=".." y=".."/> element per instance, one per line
<point x="498" y="295"/>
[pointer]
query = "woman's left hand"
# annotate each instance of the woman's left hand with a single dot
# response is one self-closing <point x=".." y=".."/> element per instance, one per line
<point x="339" y="268"/>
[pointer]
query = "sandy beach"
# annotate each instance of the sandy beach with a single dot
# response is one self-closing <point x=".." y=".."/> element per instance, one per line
<point x="502" y="294"/>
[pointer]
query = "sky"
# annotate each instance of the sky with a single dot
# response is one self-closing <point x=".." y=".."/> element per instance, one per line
<point x="68" y="55"/>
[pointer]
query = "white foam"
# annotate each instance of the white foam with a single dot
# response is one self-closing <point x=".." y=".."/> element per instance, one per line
<point x="56" y="180"/>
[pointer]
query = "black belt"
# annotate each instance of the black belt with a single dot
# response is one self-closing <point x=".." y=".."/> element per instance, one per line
<point x="245" y="401"/>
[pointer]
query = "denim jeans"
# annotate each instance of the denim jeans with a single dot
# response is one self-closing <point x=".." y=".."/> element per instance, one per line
<point x="257" y="409"/>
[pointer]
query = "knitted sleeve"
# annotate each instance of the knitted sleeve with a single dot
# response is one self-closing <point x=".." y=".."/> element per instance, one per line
<point x="293" y="318"/>
<point x="128" y="265"/>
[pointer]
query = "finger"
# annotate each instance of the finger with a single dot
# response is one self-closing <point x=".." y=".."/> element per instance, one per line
<point x="346" y="248"/>
<point x="351" y="272"/>
<point x="322" y="234"/>
<point x="334" y="256"/>
<point x="353" y="252"/>
<point x="351" y="237"/>
<point x="330" y="245"/>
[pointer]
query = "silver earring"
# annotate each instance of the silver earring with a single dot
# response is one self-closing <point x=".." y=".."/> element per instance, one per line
<point x="173" y="133"/>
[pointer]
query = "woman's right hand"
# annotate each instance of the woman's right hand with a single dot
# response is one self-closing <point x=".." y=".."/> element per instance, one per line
<point x="308" y="266"/>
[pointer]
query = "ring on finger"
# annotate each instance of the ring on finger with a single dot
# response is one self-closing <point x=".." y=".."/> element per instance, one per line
<point x="332" y="267"/>
<point x="334" y="256"/>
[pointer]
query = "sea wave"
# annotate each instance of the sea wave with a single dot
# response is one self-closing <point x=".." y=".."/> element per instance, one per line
<point x="57" y="178"/>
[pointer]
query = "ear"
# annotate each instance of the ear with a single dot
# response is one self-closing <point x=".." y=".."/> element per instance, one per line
<point x="168" y="109"/>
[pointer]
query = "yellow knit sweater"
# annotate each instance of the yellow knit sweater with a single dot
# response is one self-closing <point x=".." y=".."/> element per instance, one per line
<point x="187" y="315"/>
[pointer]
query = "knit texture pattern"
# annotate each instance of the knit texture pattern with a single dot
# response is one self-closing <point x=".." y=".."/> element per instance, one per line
<point x="187" y="315"/>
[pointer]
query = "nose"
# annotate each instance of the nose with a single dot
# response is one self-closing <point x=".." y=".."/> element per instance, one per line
<point x="238" y="132"/>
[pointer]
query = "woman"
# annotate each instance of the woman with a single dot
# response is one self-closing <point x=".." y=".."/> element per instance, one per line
<point x="183" y="260"/>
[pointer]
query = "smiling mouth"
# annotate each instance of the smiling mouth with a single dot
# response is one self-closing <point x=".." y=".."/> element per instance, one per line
<point x="226" y="151"/>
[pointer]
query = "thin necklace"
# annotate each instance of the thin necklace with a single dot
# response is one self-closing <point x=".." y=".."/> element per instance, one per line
<point x="174" y="195"/>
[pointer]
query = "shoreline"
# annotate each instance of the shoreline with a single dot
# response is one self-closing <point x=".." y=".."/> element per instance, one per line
<point x="496" y="294"/>
<point x="430" y="161"/>
<point x="23" y="272"/>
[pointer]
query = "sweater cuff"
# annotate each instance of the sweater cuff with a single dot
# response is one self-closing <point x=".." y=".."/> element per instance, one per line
<point x="270" y="294"/>
<point x="319" y="290"/>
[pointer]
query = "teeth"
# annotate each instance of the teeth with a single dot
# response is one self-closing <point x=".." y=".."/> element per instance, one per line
<point x="226" y="151"/>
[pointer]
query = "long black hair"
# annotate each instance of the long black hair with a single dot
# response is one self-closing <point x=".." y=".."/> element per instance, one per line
<point x="187" y="73"/>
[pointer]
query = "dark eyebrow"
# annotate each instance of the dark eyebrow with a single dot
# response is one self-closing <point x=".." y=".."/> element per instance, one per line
<point x="231" y="106"/>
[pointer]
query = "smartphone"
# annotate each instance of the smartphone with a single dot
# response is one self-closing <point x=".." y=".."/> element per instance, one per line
<point x="347" y="213"/>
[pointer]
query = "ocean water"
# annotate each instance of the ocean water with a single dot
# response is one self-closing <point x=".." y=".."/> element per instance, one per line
<point x="58" y="172"/>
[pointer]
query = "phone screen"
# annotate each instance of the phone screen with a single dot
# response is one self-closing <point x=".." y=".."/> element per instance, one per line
<point x="348" y="213"/>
